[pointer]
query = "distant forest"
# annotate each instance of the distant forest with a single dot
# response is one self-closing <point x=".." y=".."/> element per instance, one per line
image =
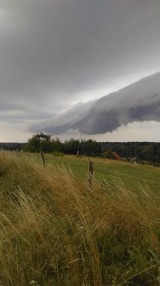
<point x="143" y="151"/>
<point x="12" y="146"/>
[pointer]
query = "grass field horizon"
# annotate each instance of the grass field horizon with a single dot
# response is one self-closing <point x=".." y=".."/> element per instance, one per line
<point x="56" y="230"/>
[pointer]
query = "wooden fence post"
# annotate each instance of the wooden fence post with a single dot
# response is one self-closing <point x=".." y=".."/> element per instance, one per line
<point x="90" y="173"/>
<point x="43" y="158"/>
<point x="17" y="153"/>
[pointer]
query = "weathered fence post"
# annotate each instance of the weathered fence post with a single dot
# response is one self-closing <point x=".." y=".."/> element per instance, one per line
<point x="17" y="152"/>
<point x="90" y="173"/>
<point x="43" y="159"/>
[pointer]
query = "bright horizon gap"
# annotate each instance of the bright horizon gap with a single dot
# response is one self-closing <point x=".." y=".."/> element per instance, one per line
<point x="110" y="137"/>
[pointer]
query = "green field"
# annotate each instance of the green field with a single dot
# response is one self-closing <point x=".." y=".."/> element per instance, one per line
<point x="56" y="229"/>
<point x="133" y="176"/>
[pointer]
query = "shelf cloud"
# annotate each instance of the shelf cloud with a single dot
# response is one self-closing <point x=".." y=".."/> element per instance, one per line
<point x="136" y="103"/>
<point x="56" y="53"/>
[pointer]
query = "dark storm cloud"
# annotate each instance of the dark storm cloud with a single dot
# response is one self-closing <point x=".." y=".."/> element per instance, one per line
<point x="51" y="51"/>
<point x="137" y="102"/>
<point x="56" y="53"/>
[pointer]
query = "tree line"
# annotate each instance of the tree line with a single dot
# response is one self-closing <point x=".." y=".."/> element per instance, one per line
<point x="143" y="151"/>
<point x="45" y="143"/>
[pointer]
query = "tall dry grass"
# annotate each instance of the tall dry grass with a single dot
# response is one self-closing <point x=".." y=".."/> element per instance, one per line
<point x="55" y="230"/>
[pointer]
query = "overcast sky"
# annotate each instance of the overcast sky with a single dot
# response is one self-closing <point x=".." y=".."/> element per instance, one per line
<point x="55" y="54"/>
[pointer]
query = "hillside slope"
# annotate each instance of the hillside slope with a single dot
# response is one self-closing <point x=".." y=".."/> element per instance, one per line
<point x="55" y="230"/>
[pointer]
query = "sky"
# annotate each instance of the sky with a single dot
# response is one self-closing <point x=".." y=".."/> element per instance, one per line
<point x="60" y="55"/>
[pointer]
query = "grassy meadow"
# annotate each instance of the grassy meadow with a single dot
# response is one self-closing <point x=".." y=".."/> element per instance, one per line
<point x="57" y="230"/>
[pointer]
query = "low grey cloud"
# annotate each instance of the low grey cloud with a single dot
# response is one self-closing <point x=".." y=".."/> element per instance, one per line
<point x="135" y="103"/>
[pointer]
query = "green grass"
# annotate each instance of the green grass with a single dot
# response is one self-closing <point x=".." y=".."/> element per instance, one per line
<point x="56" y="230"/>
<point x="133" y="176"/>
